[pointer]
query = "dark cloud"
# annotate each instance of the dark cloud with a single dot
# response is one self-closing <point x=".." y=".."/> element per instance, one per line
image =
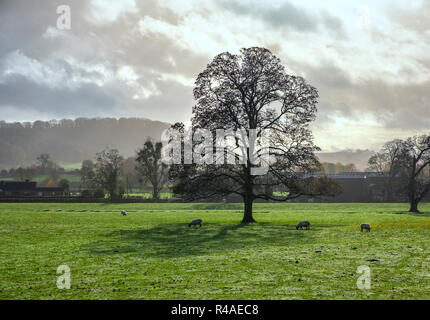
<point x="286" y="16"/>
<point x="334" y="25"/>
<point x="93" y="48"/>
<point x="87" y="46"/>
<point x="158" y="52"/>
<point x="87" y="99"/>
<point x="400" y="105"/>
<point x="23" y="24"/>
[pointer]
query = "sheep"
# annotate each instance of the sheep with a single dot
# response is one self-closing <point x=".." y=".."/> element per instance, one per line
<point x="304" y="224"/>
<point x="365" y="226"/>
<point x="124" y="213"/>
<point x="196" y="222"/>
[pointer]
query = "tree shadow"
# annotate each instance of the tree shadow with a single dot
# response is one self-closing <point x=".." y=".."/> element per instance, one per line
<point x="177" y="240"/>
<point x="419" y="215"/>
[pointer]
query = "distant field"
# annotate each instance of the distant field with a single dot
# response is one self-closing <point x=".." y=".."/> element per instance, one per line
<point x="148" y="195"/>
<point x="152" y="254"/>
<point x="70" y="165"/>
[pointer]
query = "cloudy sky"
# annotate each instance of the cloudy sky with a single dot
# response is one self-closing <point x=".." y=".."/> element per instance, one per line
<point x="138" y="58"/>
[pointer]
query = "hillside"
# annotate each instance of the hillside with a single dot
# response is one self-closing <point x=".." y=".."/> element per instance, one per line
<point x="73" y="140"/>
<point x="357" y="157"/>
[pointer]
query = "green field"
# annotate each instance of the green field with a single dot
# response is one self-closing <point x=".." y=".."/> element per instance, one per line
<point x="148" y="195"/>
<point x="152" y="254"/>
<point x="70" y="165"/>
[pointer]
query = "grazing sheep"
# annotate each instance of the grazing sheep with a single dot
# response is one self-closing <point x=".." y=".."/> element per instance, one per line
<point x="365" y="226"/>
<point x="124" y="213"/>
<point x="196" y="222"/>
<point x="303" y="224"/>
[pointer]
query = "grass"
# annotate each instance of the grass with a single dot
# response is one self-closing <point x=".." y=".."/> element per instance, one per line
<point x="152" y="254"/>
<point x="148" y="195"/>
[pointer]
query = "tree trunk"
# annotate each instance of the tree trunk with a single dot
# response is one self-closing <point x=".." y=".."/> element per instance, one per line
<point x="248" y="198"/>
<point x="247" y="216"/>
<point x="414" y="206"/>
<point x="412" y="196"/>
<point x="155" y="193"/>
<point x="111" y="194"/>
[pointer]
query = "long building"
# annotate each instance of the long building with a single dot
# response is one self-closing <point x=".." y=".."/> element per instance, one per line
<point x="356" y="187"/>
<point x="27" y="188"/>
<point x="359" y="186"/>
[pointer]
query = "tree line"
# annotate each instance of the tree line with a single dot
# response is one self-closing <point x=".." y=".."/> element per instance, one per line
<point x="404" y="164"/>
<point x="406" y="167"/>
<point x="145" y="169"/>
<point x="112" y="174"/>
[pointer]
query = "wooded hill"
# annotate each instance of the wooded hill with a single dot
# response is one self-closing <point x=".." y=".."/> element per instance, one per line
<point x="73" y="140"/>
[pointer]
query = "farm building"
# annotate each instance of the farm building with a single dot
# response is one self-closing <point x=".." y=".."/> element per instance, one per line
<point x="359" y="186"/>
<point x="356" y="187"/>
<point x="27" y="188"/>
<point x="362" y="187"/>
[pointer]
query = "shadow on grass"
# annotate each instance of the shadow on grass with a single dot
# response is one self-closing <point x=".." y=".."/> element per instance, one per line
<point x="177" y="240"/>
<point x="217" y="206"/>
<point x="419" y="215"/>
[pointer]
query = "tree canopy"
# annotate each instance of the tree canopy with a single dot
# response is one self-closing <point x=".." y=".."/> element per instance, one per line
<point x="251" y="93"/>
<point x="150" y="167"/>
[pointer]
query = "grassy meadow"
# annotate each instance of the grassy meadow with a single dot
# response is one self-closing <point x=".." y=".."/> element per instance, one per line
<point x="152" y="254"/>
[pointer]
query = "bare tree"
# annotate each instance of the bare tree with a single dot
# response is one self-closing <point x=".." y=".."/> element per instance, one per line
<point x="388" y="162"/>
<point x="107" y="170"/>
<point x="87" y="175"/>
<point x="45" y="161"/>
<point x="252" y="91"/>
<point x="415" y="164"/>
<point x="150" y="166"/>
<point x="24" y="174"/>
<point x="65" y="184"/>
<point x="49" y="167"/>
<point x="129" y="173"/>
